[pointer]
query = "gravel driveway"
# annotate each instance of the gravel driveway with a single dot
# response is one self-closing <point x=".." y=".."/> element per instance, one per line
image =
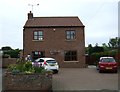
<point x="84" y="79"/>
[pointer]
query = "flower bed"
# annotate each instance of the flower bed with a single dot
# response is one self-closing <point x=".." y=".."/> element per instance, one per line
<point x="23" y="77"/>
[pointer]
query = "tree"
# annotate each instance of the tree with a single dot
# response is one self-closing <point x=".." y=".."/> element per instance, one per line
<point x="7" y="48"/>
<point x="105" y="47"/>
<point x="90" y="49"/>
<point x="97" y="49"/>
<point x="9" y="52"/>
<point x="13" y="53"/>
<point x="114" y="42"/>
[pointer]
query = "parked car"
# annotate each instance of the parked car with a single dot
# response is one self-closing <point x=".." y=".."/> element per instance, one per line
<point x="107" y="64"/>
<point x="47" y="63"/>
<point x="38" y="62"/>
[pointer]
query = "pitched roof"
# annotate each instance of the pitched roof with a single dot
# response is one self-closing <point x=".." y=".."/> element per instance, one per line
<point x="53" y="22"/>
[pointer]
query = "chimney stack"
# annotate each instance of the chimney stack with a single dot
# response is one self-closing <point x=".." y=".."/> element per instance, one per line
<point x="30" y="15"/>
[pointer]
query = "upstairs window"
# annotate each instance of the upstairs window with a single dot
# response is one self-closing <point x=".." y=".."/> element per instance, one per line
<point x="70" y="56"/>
<point x="70" y="35"/>
<point x="38" y="35"/>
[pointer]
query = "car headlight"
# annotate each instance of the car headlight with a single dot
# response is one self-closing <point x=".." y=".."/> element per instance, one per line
<point x="101" y="66"/>
<point x="114" y="66"/>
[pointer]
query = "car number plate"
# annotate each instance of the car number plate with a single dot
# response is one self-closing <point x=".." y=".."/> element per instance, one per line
<point x="108" y="67"/>
<point x="52" y="65"/>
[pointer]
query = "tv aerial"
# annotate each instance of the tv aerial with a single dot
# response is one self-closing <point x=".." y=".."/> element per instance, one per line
<point x="32" y="5"/>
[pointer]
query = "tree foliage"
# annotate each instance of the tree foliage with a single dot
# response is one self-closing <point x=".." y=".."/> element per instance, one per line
<point x="6" y="48"/>
<point x="114" y="42"/>
<point x="9" y="52"/>
<point x="95" y="49"/>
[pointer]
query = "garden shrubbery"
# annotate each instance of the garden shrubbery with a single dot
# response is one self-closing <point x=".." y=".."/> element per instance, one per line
<point x="25" y="67"/>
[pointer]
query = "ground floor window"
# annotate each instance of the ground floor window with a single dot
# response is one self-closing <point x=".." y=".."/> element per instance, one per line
<point x="70" y="56"/>
<point x="38" y="54"/>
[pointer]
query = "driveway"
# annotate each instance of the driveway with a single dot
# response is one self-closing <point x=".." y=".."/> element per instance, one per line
<point x="84" y="79"/>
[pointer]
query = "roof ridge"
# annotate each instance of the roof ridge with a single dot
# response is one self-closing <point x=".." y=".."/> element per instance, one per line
<point x="57" y="17"/>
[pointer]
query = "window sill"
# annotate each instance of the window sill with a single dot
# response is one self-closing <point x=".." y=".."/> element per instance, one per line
<point x="71" y="61"/>
<point x="38" y="40"/>
<point x="70" y="40"/>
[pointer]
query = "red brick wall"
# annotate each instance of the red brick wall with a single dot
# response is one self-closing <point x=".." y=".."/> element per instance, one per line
<point x="55" y="40"/>
<point x="27" y="82"/>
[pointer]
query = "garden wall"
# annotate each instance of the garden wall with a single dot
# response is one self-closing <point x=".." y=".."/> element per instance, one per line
<point x="7" y="61"/>
<point x="27" y="82"/>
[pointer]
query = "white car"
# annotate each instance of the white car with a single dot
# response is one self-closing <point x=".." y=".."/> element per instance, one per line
<point x="48" y="64"/>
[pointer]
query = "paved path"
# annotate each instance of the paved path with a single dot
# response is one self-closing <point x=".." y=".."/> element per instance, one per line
<point x="84" y="79"/>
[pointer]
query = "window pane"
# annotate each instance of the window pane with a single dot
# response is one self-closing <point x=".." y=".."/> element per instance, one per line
<point x="40" y="33"/>
<point x="35" y="37"/>
<point x="72" y="34"/>
<point x="68" y="32"/>
<point x="36" y="53"/>
<point x="72" y="37"/>
<point x="40" y="37"/>
<point x="68" y="37"/>
<point x="35" y="33"/>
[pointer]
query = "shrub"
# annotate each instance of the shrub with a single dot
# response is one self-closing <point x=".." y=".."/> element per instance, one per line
<point x="25" y="67"/>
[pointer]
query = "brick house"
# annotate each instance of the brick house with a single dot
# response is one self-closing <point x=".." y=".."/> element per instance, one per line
<point x="61" y="38"/>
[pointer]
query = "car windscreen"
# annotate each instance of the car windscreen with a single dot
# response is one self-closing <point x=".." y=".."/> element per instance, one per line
<point x="107" y="60"/>
<point x="51" y="61"/>
<point x="39" y="60"/>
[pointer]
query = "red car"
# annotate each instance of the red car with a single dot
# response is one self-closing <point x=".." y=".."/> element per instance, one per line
<point x="107" y="64"/>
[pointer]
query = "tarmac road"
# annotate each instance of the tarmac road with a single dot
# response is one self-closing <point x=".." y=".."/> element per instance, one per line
<point x="84" y="79"/>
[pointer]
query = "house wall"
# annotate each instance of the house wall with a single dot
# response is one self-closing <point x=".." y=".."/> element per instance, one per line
<point x="55" y="39"/>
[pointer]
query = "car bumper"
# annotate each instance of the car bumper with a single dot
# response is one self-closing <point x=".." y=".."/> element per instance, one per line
<point x="114" y="69"/>
<point x="52" y="68"/>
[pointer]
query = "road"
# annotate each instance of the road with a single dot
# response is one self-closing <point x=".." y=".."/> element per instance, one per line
<point x="84" y="79"/>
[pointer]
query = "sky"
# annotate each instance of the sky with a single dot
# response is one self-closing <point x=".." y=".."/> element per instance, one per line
<point x="100" y="18"/>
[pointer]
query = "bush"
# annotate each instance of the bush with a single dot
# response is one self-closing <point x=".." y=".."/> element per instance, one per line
<point x="39" y="69"/>
<point x="25" y="67"/>
<point x="12" y="53"/>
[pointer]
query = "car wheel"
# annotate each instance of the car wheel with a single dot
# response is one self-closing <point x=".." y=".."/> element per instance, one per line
<point x="116" y="71"/>
<point x="56" y="72"/>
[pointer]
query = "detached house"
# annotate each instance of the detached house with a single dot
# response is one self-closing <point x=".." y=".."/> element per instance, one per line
<point x="61" y="38"/>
